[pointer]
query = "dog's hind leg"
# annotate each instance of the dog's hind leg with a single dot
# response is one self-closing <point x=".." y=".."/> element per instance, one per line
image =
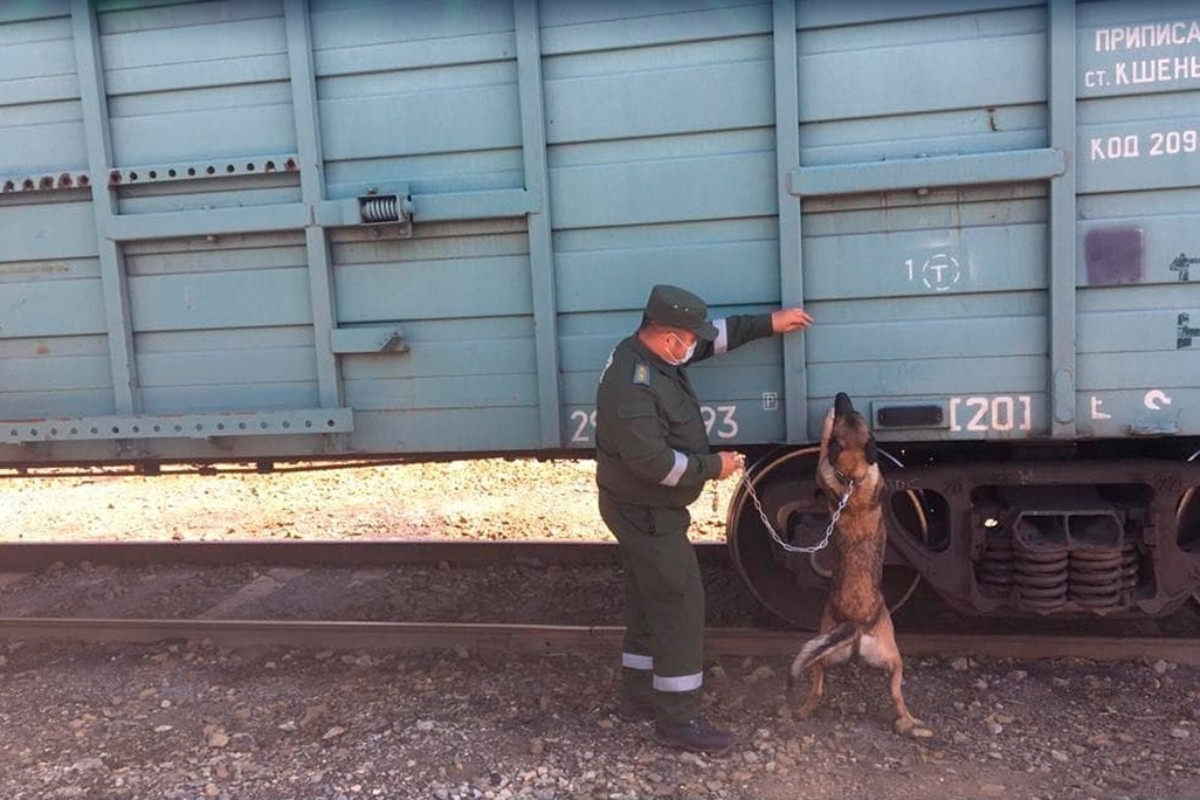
<point x="880" y="650"/>
<point x="905" y="722"/>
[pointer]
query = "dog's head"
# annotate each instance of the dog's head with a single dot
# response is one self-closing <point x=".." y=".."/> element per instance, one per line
<point x="848" y="449"/>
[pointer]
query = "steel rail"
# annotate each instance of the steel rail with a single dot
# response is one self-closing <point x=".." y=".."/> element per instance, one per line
<point x="565" y="639"/>
<point x="29" y="556"/>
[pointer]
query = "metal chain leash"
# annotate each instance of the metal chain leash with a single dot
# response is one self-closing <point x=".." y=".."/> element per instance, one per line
<point x="791" y="548"/>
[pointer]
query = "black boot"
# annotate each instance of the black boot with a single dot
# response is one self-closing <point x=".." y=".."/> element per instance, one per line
<point x="631" y="710"/>
<point x="694" y="735"/>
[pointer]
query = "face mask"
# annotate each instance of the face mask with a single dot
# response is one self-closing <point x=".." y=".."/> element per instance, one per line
<point x="687" y="356"/>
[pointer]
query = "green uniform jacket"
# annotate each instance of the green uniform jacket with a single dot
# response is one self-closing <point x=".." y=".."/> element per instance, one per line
<point x="651" y="444"/>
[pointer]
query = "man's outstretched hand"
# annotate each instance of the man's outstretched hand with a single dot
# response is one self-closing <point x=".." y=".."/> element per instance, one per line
<point x="786" y="320"/>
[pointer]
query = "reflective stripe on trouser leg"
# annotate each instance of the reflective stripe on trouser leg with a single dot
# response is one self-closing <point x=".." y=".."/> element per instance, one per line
<point x="635" y="661"/>
<point x="636" y="678"/>
<point x="677" y="697"/>
<point x="678" y="683"/>
<point x="664" y="597"/>
<point x="637" y="629"/>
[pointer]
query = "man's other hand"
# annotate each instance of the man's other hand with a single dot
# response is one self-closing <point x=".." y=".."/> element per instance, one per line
<point x="731" y="462"/>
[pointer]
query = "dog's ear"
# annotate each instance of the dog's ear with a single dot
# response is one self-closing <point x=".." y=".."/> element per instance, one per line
<point x="870" y="451"/>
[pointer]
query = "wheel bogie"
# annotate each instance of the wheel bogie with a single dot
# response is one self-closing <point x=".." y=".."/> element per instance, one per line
<point x="1113" y="538"/>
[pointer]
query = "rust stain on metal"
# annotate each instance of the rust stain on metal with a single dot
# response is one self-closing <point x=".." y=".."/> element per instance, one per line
<point x="37" y="268"/>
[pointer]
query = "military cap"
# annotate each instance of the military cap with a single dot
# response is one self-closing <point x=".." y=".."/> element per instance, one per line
<point x="679" y="308"/>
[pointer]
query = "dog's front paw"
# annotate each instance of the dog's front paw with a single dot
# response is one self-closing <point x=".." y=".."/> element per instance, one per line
<point x="912" y="727"/>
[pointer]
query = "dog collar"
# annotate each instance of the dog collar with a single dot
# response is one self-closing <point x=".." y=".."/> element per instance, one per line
<point x="845" y="479"/>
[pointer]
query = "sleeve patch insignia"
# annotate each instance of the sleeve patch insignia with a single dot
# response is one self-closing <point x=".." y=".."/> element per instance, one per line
<point x="641" y="375"/>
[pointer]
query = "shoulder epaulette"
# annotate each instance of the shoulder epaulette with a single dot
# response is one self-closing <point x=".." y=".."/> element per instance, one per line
<point x="641" y="375"/>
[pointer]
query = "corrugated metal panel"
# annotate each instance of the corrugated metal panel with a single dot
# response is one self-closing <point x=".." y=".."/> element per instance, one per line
<point x="206" y="80"/>
<point x="1139" y="135"/>
<point x="42" y="128"/>
<point x="54" y="358"/>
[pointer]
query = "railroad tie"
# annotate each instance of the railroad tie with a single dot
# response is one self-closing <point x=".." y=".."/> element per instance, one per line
<point x="262" y="586"/>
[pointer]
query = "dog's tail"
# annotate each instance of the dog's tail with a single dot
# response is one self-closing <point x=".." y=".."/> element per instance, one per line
<point x="841" y="637"/>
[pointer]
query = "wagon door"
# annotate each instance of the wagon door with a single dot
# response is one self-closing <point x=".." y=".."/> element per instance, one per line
<point x="933" y="170"/>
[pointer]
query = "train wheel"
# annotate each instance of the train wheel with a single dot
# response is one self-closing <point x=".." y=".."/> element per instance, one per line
<point x="793" y="586"/>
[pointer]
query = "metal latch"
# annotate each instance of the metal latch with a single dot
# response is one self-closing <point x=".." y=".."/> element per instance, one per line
<point x="386" y="208"/>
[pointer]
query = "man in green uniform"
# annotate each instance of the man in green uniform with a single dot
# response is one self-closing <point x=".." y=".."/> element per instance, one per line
<point x="652" y="461"/>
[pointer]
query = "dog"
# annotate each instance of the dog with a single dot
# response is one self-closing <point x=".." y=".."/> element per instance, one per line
<point x="856" y="618"/>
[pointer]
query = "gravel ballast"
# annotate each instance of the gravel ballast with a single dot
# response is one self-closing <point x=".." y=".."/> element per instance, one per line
<point x="192" y="720"/>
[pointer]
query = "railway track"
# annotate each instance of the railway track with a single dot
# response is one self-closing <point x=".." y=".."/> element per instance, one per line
<point x="564" y="639"/>
<point x="240" y="615"/>
<point x="31" y="556"/>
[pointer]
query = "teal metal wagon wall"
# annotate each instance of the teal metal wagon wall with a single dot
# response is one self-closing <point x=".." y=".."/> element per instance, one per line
<point x="278" y="229"/>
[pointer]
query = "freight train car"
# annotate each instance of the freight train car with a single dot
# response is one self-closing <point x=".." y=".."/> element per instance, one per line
<point x="284" y="230"/>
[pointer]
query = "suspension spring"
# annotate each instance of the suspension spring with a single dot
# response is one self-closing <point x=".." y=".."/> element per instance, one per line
<point x="1102" y="578"/>
<point x="1047" y="577"/>
<point x="994" y="569"/>
<point x="1040" y="577"/>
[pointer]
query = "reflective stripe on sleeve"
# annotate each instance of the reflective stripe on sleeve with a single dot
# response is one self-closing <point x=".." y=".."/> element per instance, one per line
<point x="681" y="462"/>
<point x="679" y="683"/>
<point x="637" y="661"/>
<point x="721" y="343"/>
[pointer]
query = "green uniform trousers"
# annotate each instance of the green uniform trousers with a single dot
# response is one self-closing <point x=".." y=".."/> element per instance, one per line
<point x="663" y="607"/>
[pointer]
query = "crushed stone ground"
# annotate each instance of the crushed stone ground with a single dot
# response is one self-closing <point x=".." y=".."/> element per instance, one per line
<point x="190" y="720"/>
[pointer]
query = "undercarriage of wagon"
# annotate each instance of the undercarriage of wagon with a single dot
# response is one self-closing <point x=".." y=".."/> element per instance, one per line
<point x="1004" y="532"/>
